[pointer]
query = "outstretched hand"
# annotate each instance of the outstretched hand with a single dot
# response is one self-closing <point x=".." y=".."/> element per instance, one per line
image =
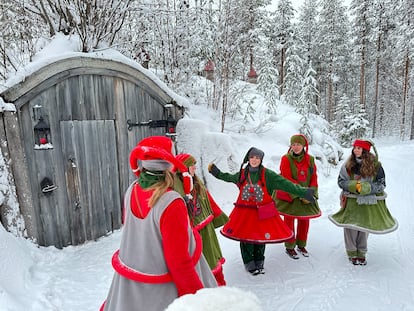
<point x="213" y="169"/>
<point x="310" y="195"/>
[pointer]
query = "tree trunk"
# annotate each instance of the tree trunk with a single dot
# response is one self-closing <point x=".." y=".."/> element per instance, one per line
<point x="362" y="74"/>
<point x="377" y="74"/>
<point x="405" y="92"/>
<point x="330" y="90"/>
<point x="282" y="70"/>
<point x="16" y="156"/>
<point x="225" y="92"/>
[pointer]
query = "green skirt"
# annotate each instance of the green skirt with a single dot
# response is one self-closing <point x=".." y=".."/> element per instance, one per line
<point x="374" y="218"/>
<point x="298" y="209"/>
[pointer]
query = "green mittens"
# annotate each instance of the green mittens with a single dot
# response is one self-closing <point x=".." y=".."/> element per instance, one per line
<point x="357" y="187"/>
<point x="365" y="188"/>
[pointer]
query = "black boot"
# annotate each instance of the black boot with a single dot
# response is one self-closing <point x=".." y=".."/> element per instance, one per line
<point x="251" y="268"/>
<point x="260" y="266"/>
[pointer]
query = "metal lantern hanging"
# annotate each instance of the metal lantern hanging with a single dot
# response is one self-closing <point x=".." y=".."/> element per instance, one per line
<point x="42" y="132"/>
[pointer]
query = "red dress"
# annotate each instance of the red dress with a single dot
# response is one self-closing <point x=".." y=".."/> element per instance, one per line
<point x="244" y="224"/>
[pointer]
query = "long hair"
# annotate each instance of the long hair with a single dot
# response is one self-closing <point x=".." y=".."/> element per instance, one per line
<point x="244" y="172"/>
<point x="197" y="183"/>
<point x="161" y="187"/>
<point x="368" y="164"/>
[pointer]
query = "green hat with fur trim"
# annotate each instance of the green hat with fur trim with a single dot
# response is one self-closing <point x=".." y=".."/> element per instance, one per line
<point x="299" y="139"/>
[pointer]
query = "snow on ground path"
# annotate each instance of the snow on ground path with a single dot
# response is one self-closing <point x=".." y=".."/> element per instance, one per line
<point x="78" y="278"/>
<point x="326" y="280"/>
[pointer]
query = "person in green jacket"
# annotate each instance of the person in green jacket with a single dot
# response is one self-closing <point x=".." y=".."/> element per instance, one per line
<point x="254" y="220"/>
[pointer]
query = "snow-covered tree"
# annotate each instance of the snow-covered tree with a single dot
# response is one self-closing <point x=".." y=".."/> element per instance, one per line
<point x="306" y="103"/>
<point x="306" y="29"/>
<point x="20" y="36"/>
<point x="355" y="124"/>
<point x="295" y="71"/>
<point x="405" y="48"/>
<point x="282" y="37"/>
<point x="387" y="97"/>
<point x="362" y="30"/>
<point x="267" y="85"/>
<point x="96" y="22"/>
<point x="333" y="54"/>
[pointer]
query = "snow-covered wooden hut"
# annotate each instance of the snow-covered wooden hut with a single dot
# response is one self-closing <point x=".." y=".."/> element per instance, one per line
<point x="68" y="143"/>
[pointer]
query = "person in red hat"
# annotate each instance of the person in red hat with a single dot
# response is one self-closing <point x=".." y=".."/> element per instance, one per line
<point x="299" y="167"/>
<point x="363" y="207"/>
<point x="254" y="220"/>
<point x="205" y="216"/>
<point x="160" y="256"/>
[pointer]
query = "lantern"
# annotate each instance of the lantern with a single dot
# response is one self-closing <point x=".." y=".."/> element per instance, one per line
<point x="171" y="123"/>
<point x="42" y="132"/>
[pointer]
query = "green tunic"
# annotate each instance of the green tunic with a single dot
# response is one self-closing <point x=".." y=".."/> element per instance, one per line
<point x="205" y="208"/>
<point x="291" y="205"/>
<point x="273" y="182"/>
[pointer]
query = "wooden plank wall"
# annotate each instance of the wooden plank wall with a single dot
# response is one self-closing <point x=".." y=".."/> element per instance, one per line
<point x="81" y="98"/>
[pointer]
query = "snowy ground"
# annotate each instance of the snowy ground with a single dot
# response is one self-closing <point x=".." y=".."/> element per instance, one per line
<point x="77" y="278"/>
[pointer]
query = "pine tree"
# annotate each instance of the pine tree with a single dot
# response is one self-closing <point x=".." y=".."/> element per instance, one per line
<point x="355" y="125"/>
<point x="295" y="72"/>
<point x="405" y="48"/>
<point x="362" y="30"/>
<point x="333" y="53"/>
<point x="342" y="117"/>
<point x="282" y="38"/>
<point x="387" y="96"/>
<point x="308" y="93"/>
<point x="267" y="82"/>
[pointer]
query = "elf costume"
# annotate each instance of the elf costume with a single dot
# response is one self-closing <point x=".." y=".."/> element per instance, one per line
<point x="300" y="169"/>
<point x="363" y="207"/>
<point x="205" y="216"/>
<point x="255" y="221"/>
<point x="160" y="256"/>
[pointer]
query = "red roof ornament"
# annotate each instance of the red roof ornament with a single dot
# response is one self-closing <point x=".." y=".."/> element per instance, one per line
<point x="209" y="66"/>
<point x="252" y="73"/>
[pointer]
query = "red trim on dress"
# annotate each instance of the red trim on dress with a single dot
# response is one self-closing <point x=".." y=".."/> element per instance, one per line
<point x="137" y="276"/>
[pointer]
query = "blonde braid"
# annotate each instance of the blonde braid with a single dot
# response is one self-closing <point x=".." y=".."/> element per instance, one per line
<point x="161" y="187"/>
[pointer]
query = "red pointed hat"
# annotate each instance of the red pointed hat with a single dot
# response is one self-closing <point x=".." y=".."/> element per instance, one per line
<point x="154" y="148"/>
<point x="364" y="144"/>
<point x="187" y="159"/>
<point x="157" y="151"/>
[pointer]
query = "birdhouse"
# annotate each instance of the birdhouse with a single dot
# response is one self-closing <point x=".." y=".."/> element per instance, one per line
<point x="252" y="75"/>
<point x="209" y="70"/>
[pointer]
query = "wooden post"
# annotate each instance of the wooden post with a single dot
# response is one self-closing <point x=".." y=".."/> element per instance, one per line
<point x="13" y="151"/>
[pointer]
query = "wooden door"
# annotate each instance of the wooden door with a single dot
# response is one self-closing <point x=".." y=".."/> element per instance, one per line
<point x="92" y="178"/>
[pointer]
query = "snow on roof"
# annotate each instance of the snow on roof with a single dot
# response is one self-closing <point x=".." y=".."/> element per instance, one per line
<point x="62" y="47"/>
